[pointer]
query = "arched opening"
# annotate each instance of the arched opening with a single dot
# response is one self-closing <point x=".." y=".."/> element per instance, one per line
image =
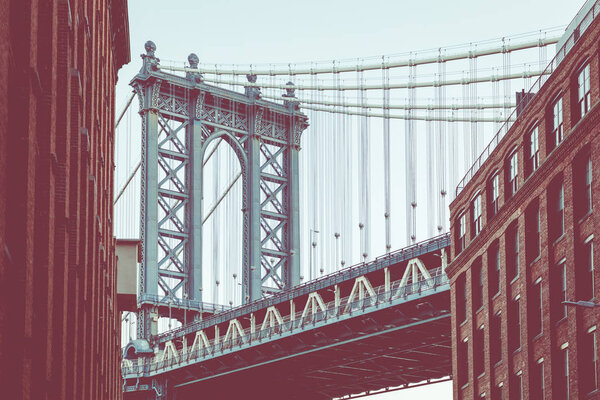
<point x="222" y="221"/>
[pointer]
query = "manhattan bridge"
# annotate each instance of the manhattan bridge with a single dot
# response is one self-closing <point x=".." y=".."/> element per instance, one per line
<point x="289" y="221"/>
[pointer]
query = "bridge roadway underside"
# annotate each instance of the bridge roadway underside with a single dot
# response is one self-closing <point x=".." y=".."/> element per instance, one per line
<point x="397" y="346"/>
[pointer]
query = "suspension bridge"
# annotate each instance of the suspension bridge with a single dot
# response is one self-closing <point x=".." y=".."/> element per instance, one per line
<point x="272" y="197"/>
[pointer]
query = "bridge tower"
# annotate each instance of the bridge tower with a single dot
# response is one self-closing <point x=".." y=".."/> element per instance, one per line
<point x="180" y="117"/>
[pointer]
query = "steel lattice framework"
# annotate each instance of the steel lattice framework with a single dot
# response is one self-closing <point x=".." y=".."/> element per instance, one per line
<point x="181" y="116"/>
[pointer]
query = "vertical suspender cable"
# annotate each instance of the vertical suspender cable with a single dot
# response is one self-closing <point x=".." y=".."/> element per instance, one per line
<point x="348" y="235"/>
<point x="473" y="101"/>
<point x="315" y="204"/>
<point x="411" y="203"/>
<point x="337" y="193"/>
<point x="496" y="99"/>
<point x="386" y="154"/>
<point x="442" y="155"/>
<point x="466" y="132"/>
<point x="362" y="158"/>
<point x="215" y="227"/>
<point x="431" y="156"/>
<point x="322" y="187"/>
<point x="453" y="156"/>
<point x="507" y="86"/>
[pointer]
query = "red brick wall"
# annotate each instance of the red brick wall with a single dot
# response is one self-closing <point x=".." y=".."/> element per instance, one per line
<point x="578" y="134"/>
<point x="59" y="326"/>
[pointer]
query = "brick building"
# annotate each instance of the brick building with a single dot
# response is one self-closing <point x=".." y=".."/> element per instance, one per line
<point x="59" y="326"/>
<point x="523" y="231"/>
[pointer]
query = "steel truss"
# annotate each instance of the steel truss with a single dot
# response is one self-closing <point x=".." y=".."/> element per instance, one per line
<point x="181" y="116"/>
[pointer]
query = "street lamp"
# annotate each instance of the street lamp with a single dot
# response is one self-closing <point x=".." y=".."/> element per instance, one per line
<point x="581" y="303"/>
<point x="234" y="287"/>
<point x="187" y="304"/>
<point x="169" y="303"/>
<point x="337" y="249"/>
<point x="312" y="246"/>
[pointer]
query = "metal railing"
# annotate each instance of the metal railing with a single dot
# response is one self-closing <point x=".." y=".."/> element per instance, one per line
<point x="291" y="323"/>
<point x="189" y="304"/>
<point x="404" y="254"/>
<point x="530" y="96"/>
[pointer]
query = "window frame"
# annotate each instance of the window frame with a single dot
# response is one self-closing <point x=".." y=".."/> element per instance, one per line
<point x="476" y="215"/>
<point x="534" y="149"/>
<point x="493" y="195"/>
<point x="584" y="89"/>
<point x="494" y="264"/>
<point x="513" y="173"/>
<point x="558" y="120"/>
<point x="562" y="285"/>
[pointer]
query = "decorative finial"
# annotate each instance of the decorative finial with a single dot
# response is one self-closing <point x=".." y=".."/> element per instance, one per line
<point x="150" y="47"/>
<point x="252" y="91"/>
<point x="290" y="90"/>
<point x="290" y="93"/>
<point x="150" y="59"/>
<point x="196" y="77"/>
<point x="193" y="60"/>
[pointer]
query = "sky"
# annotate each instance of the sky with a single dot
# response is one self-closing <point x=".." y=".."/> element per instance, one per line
<point x="278" y="31"/>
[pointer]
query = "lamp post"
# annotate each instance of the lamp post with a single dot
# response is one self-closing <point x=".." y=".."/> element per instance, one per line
<point x="313" y="245"/>
<point x="201" y="303"/>
<point x="337" y="249"/>
<point x="187" y="303"/>
<point x="169" y="303"/>
<point x="235" y="289"/>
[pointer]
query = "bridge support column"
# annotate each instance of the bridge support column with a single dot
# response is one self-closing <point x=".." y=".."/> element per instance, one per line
<point x="293" y="271"/>
<point x="194" y="254"/>
<point x="253" y="286"/>
<point x="148" y="277"/>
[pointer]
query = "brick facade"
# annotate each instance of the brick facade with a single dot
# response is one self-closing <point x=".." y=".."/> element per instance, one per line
<point x="522" y="335"/>
<point x="59" y="325"/>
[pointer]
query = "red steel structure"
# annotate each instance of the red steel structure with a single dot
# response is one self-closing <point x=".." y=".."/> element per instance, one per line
<point x="59" y="325"/>
<point x="523" y="231"/>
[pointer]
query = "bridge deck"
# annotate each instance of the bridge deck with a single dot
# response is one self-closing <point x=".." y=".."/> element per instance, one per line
<point x="390" y="327"/>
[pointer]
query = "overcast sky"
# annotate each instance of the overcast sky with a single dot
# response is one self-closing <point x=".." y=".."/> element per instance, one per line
<point x="278" y="31"/>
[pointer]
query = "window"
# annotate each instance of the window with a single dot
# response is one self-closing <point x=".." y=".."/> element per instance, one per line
<point x="564" y="372"/>
<point x="515" y="325"/>
<point x="498" y="393"/>
<point x="512" y="175"/>
<point x="493" y="195"/>
<point x="477" y="285"/>
<point x="461" y="233"/>
<point x="512" y="252"/>
<point x="461" y="299"/>
<point x="557" y="121"/>
<point x="463" y="362"/>
<point x="494" y="269"/>
<point x="557" y="210"/>
<point x="536" y="312"/>
<point x="589" y="373"/>
<point x="479" y="352"/>
<point x="537" y="390"/>
<point x="583" y="91"/>
<point x="585" y="271"/>
<point x="496" y="338"/>
<point x="582" y="170"/>
<point x="516" y="391"/>
<point x="534" y="151"/>
<point x="476" y="213"/>
<point x="532" y="231"/>
<point x="588" y="183"/>
<point x="561" y="280"/>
